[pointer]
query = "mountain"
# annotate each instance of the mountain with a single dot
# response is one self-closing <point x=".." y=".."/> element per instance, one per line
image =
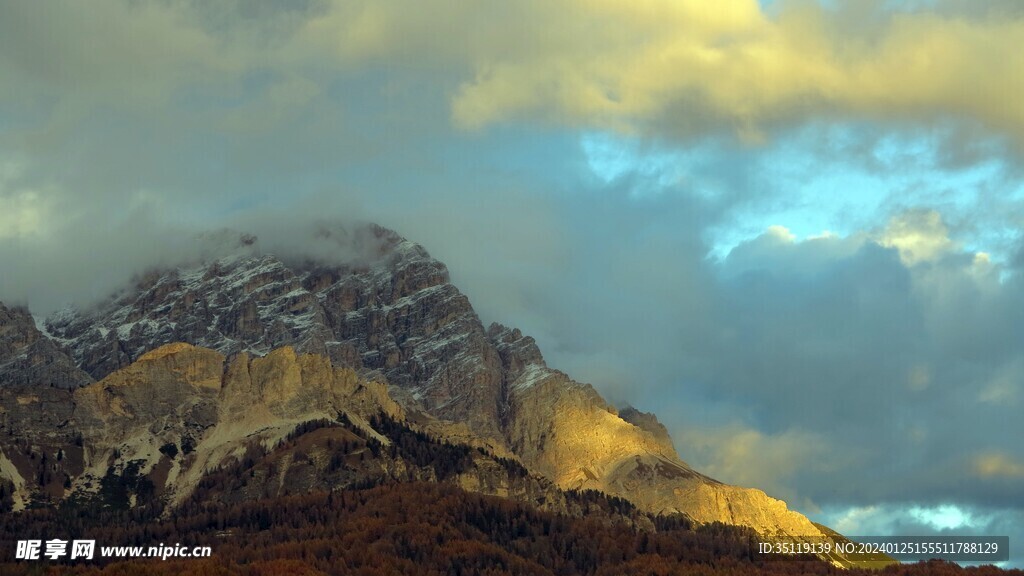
<point x="157" y="428"/>
<point x="29" y="357"/>
<point x="277" y="341"/>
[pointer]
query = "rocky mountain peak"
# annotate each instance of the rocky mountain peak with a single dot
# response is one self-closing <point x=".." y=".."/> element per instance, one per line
<point x="270" y="325"/>
<point x="366" y="298"/>
<point x="649" y="423"/>
<point x="518" y="352"/>
<point x="251" y="301"/>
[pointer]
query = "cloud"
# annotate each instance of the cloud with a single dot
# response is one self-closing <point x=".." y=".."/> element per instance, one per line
<point x="998" y="466"/>
<point x="826" y="370"/>
<point x="23" y="214"/>
<point x="747" y="457"/>
<point x="909" y="519"/>
<point x="914" y="519"/>
<point x="685" y="67"/>
<point x="63" y="63"/>
<point x="919" y="236"/>
<point x="664" y="67"/>
<point x="80" y="263"/>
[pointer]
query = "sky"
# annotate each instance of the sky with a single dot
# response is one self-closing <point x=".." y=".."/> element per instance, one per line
<point x="791" y="229"/>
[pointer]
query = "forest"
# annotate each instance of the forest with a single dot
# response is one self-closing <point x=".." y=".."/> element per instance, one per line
<point x="375" y="524"/>
<point x="408" y="528"/>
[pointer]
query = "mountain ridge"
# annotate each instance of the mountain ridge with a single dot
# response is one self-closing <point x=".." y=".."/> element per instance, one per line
<point x="396" y="318"/>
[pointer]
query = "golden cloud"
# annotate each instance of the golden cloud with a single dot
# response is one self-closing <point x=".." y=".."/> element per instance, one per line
<point x="24" y="213"/>
<point x="686" y="64"/>
<point x="918" y="235"/>
<point x="679" y="67"/>
<point x="996" y="465"/>
<point x="747" y="457"/>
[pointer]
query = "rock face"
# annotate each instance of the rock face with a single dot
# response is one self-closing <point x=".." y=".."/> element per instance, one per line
<point x="394" y="313"/>
<point x="391" y="316"/>
<point x="212" y="408"/>
<point x="28" y="356"/>
<point x="159" y="426"/>
<point x="566" y="431"/>
<point x="649" y="423"/>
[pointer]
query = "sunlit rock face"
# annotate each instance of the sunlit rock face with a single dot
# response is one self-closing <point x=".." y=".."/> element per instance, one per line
<point x="179" y="412"/>
<point x="392" y="315"/>
<point x="208" y="408"/>
<point x="649" y="423"/>
<point x="566" y="431"/>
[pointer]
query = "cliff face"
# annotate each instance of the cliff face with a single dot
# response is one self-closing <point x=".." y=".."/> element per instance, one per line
<point x="28" y="357"/>
<point x="190" y="398"/>
<point x="394" y="317"/>
<point x="160" y="426"/>
<point x="566" y="431"/>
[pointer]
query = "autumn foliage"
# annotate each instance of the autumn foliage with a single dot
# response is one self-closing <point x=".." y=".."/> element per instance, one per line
<point x="408" y="528"/>
<point x="380" y="524"/>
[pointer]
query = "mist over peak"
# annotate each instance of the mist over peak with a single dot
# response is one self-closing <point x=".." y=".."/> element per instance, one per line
<point x="81" y="268"/>
<point x="297" y="244"/>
